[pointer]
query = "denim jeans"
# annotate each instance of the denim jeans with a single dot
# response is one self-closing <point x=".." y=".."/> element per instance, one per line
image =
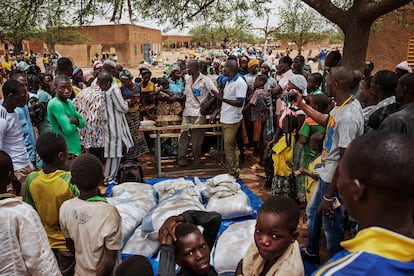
<point x="332" y="225"/>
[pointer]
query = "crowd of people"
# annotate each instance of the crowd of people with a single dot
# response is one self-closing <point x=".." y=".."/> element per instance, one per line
<point x="319" y="137"/>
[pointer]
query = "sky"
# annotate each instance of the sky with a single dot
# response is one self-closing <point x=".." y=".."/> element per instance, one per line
<point x="256" y="22"/>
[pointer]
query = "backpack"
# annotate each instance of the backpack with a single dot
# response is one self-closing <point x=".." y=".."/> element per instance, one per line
<point x="130" y="171"/>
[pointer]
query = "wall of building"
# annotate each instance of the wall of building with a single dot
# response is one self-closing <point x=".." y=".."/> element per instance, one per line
<point x="388" y="46"/>
<point x="176" y="41"/>
<point x="126" y="40"/>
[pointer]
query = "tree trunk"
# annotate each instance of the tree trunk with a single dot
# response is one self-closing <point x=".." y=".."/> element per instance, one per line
<point x="265" y="44"/>
<point x="356" y="44"/>
<point x="17" y="47"/>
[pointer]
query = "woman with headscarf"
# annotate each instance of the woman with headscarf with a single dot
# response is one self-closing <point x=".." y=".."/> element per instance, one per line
<point x="148" y="94"/>
<point x="296" y="82"/>
<point x="77" y="80"/>
<point x="131" y="93"/>
<point x="176" y="87"/>
<point x="169" y="102"/>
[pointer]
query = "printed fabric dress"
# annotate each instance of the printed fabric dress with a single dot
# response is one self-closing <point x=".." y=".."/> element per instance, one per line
<point x="140" y="146"/>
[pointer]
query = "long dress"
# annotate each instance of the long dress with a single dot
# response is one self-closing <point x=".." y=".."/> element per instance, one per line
<point x="140" y="146"/>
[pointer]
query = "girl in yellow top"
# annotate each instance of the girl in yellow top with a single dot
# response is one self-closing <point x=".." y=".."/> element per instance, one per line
<point x="283" y="183"/>
<point x="148" y="96"/>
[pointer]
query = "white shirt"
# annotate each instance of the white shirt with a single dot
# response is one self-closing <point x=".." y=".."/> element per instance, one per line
<point x="202" y="86"/>
<point x="235" y="89"/>
<point x="93" y="226"/>
<point x="11" y="138"/>
<point x="24" y="249"/>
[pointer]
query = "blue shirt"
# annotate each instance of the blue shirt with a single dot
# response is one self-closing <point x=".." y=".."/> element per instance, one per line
<point x="373" y="251"/>
<point x="28" y="133"/>
<point x="176" y="87"/>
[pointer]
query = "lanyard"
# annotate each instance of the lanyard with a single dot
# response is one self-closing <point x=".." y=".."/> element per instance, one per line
<point x="350" y="98"/>
<point x="97" y="198"/>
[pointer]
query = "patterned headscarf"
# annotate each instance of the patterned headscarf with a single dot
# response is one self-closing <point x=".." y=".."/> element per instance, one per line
<point x="125" y="75"/>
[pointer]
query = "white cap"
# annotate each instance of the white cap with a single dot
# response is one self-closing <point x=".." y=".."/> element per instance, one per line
<point x="404" y="66"/>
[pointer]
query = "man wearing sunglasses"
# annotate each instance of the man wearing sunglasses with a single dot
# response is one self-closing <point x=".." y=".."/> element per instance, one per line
<point x="344" y="123"/>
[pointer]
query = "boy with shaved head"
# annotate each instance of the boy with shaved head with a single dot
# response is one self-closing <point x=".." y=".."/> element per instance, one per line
<point x="380" y="196"/>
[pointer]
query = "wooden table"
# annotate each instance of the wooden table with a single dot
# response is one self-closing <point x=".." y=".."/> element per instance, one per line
<point x="158" y="130"/>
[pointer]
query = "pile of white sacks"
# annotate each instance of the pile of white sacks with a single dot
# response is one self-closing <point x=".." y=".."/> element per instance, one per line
<point x="144" y="208"/>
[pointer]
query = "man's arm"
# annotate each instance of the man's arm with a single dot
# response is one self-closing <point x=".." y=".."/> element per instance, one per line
<point x="326" y="205"/>
<point x="81" y="121"/>
<point x="239" y="100"/>
<point x="62" y="120"/>
<point x="166" y="265"/>
<point x="320" y="118"/>
<point x="120" y="104"/>
<point x="166" y="236"/>
<point x="210" y="221"/>
<point x="3" y="131"/>
<point x="107" y="264"/>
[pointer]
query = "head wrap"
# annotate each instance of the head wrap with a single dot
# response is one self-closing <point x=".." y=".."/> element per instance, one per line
<point x="268" y="63"/>
<point x="75" y="69"/>
<point x="172" y="69"/>
<point x="125" y="75"/>
<point x="97" y="64"/>
<point x="252" y="63"/>
<point x="143" y="71"/>
<point x="300" y="82"/>
<point x="404" y="66"/>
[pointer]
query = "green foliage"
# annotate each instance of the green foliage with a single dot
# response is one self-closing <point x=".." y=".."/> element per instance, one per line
<point x="223" y="35"/>
<point x="18" y="18"/>
<point x="301" y="24"/>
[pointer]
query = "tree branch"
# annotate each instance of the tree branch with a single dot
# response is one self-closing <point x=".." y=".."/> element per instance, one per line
<point x="202" y="8"/>
<point x="328" y="10"/>
<point x="377" y="9"/>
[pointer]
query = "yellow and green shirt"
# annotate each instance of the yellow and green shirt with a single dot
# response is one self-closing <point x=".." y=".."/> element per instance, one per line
<point x="46" y="193"/>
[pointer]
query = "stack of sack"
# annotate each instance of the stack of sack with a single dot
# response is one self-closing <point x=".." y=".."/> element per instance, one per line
<point x="133" y="200"/>
<point x="144" y="208"/>
<point x="175" y="197"/>
<point x="226" y="197"/>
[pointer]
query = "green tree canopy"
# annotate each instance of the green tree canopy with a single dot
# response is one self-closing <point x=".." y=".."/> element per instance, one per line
<point x="300" y="23"/>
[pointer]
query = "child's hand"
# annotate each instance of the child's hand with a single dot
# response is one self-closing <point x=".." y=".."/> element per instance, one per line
<point x="168" y="229"/>
<point x="301" y="171"/>
<point x="297" y="173"/>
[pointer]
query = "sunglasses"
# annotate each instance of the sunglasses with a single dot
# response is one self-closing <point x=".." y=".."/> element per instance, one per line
<point x="332" y="76"/>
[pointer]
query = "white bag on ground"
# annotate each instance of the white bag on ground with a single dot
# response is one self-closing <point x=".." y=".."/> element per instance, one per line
<point x="170" y="186"/>
<point x="133" y="201"/>
<point x="214" y="181"/>
<point x="230" y="207"/>
<point x="170" y="206"/>
<point x="232" y="245"/>
<point x="140" y="244"/>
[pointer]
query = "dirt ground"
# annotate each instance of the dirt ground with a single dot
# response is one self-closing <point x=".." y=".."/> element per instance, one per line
<point x="251" y="173"/>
